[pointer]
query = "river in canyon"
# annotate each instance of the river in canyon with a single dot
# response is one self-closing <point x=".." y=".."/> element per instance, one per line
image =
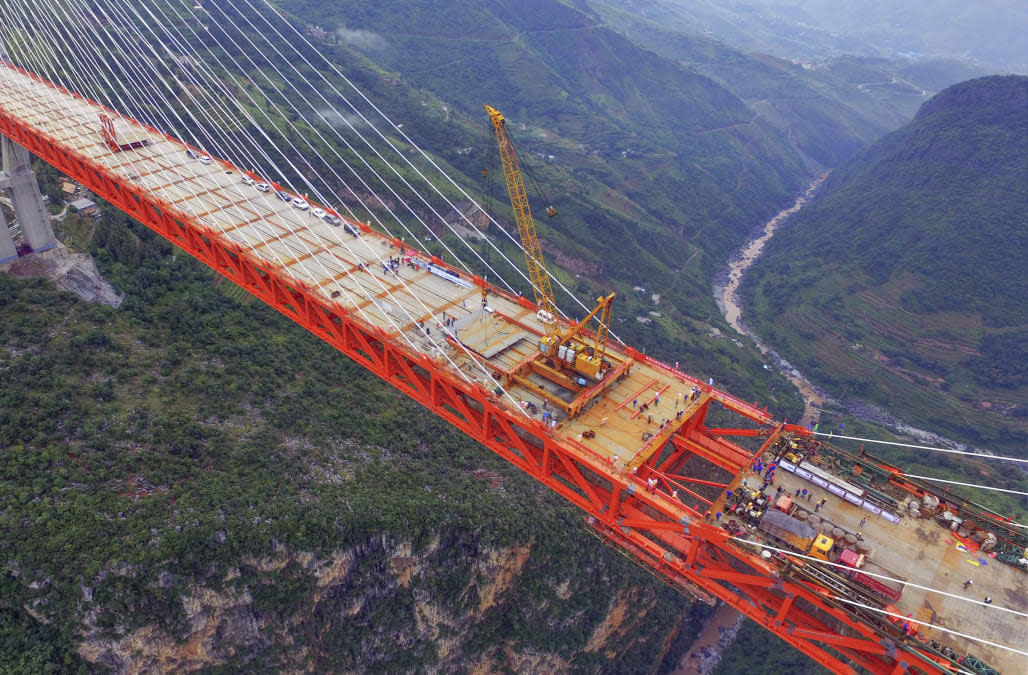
<point x="726" y="293"/>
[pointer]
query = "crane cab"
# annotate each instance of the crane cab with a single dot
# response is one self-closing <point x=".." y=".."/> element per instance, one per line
<point x="822" y="547"/>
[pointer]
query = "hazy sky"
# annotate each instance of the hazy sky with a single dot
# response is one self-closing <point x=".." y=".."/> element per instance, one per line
<point x="990" y="32"/>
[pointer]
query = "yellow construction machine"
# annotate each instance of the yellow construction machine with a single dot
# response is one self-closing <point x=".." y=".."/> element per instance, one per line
<point x="560" y="345"/>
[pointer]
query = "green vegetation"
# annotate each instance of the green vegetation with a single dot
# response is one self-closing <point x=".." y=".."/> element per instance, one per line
<point x="614" y="116"/>
<point x="170" y="445"/>
<point x="986" y="34"/>
<point x="903" y="284"/>
<point x="148" y="451"/>
<point x="656" y="170"/>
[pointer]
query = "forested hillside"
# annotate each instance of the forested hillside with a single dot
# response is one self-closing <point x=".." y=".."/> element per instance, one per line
<point x="829" y="107"/>
<point x="192" y="481"/>
<point x="904" y="283"/>
<point x="984" y="34"/>
<point x="687" y="174"/>
<point x="657" y="172"/>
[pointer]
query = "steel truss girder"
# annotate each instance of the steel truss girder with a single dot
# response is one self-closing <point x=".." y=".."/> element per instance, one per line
<point x="650" y="526"/>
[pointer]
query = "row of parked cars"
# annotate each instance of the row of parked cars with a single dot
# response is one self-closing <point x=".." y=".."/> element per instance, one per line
<point x="298" y="202"/>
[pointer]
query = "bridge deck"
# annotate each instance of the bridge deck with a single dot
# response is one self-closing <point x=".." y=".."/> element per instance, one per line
<point x="344" y="267"/>
<point x="347" y="268"/>
<point x="924" y="553"/>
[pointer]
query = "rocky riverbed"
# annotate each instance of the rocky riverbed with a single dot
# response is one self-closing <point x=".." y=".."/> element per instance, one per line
<point x="726" y="293"/>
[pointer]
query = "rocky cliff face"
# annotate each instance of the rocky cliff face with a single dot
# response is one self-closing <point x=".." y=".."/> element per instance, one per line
<point x="404" y="607"/>
<point x="189" y="484"/>
<point x="70" y="271"/>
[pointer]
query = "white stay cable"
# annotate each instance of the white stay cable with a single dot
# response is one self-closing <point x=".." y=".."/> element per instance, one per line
<point x="241" y="112"/>
<point x="157" y="106"/>
<point x="289" y="82"/>
<point x="966" y="636"/>
<point x="390" y="145"/>
<point x="370" y="296"/>
<point x="983" y="455"/>
<point x="973" y="485"/>
<point x="99" y="92"/>
<point x="840" y="566"/>
<point x="470" y="355"/>
<point x="407" y="161"/>
<point x="908" y="583"/>
<point x="412" y="144"/>
<point x="34" y="62"/>
<point x="112" y="86"/>
<point x="384" y="140"/>
<point x="97" y="68"/>
<point x="42" y="67"/>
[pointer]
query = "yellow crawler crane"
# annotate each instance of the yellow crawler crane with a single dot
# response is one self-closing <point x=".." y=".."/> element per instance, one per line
<point x="560" y="348"/>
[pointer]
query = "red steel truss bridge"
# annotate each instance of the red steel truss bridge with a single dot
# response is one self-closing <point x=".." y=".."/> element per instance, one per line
<point x="637" y="448"/>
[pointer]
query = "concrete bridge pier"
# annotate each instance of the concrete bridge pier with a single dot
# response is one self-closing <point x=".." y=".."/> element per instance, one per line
<point x="8" y="251"/>
<point x="18" y="179"/>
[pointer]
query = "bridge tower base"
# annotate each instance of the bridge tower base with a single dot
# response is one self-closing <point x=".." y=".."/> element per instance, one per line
<point x="8" y="251"/>
<point x="18" y="179"/>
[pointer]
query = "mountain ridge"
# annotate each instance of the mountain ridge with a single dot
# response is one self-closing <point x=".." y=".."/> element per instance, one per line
<point x="903" y="281"/>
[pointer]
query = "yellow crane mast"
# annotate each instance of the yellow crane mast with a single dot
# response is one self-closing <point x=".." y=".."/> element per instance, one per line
<point x="586" y="360"/>
<point x="537" y="273"/>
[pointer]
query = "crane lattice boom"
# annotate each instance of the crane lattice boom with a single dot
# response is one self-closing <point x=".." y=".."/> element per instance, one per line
<point x="523" y="216"/>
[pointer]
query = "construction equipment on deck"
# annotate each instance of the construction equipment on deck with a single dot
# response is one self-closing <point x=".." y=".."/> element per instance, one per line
<point x="561" y="346"/>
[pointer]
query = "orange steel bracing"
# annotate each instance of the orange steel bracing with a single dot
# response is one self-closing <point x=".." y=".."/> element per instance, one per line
<point x="651" y="505"/>
<point x="107" y="132"/>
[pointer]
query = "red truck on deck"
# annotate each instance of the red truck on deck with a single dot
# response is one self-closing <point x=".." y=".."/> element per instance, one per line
<point x="858" y="564"/>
